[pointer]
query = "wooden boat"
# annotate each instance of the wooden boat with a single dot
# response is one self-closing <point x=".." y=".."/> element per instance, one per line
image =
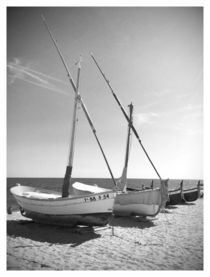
<point x="175" y="197"/>
<point x="141" y="203"/>
<point x="49" y="207"/>
<point x="145" y="202"/>
<point x="200" y="189"/>
<point x="46" y="206"/>
<point x="179" y="196"/>
<point x="190" y="195"/>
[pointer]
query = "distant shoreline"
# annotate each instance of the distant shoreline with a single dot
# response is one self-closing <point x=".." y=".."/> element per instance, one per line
<point x="105" y="178"/>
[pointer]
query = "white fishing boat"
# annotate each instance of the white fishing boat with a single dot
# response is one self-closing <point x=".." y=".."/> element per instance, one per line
<point x="141" y="203"/>
<point x="46" y="206"/>
<point x="147" y="202"/>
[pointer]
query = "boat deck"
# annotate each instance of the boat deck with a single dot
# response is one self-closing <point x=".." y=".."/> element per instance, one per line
<point x="40" y="195"/>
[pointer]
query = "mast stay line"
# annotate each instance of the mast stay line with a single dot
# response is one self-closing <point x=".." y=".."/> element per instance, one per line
<point x="79" y="97"/>
<point x="125" y="114"/>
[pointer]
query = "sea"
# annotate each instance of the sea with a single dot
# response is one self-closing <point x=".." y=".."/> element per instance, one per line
<point x="56" y="184"/>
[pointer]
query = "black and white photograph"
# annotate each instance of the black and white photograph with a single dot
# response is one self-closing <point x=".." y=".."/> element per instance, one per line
<point x="104" y="138"/>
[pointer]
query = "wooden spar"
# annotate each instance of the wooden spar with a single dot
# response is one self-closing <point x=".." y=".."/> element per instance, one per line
<point x="129" y="134"/>
<point x="74" y="123"/>
<point x="67" y="178"/>
<point x="181" y="188"/>
<point x="79" y="98"/>
<point x="124" y="113"/>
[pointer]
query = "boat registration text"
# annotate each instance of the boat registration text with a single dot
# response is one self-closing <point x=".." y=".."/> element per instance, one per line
<point x="95" y="198"/>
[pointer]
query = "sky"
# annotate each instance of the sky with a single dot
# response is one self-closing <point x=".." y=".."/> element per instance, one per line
<point x="152" y="56"/>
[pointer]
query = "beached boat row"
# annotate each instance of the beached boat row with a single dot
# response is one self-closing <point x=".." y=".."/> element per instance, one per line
<point x="82" y="204"/>
<point x="92" y="205"/>
<point x="180" y="195"/>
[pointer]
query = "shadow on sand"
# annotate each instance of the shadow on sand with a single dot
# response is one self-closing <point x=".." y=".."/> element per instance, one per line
<point x="51" y="234"/>
<point x="66" y="235"/>
<point x="132" y="221"/>
<point x="187" y="204"/>
<point x="171" y="207"/>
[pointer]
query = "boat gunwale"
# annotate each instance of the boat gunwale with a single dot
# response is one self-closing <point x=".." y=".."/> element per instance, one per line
<point x="59" y="199"/>
<point x="141" y="190"/>
<point x="174" y="191"/>
<point x="190" y="190"/>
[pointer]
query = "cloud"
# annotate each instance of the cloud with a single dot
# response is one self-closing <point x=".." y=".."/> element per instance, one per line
<point x="150" y="105"/>
<point x="188" y="112"/>
<point x="18" y="71"/>
<point x="189" y="131"/>
<point x="190" y="120"/>
<point x="163" y="92"/>
<point x="145" y="118"/>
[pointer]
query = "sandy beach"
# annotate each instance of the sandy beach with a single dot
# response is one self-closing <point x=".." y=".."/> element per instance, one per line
<point x="173" y="240"/>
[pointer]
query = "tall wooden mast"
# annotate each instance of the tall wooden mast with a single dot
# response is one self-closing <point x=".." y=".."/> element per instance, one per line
<point x="69" y="167"/>
<point x="123" y="180"/>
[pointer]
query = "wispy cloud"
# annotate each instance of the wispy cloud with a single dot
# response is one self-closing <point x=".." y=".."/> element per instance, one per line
<point x="190" y="120"/>
<point x="163" y="93"/>
<point x="187" y="130"/>
<point x="149" y="105"/>
<point x="146" y="118"/>
<point x="26" y="74"/>
<point x="186" y="119"/>
<point x="189" y="110"/>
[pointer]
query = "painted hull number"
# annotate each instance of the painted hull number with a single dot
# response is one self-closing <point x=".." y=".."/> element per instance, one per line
<point x="94" y="198"/>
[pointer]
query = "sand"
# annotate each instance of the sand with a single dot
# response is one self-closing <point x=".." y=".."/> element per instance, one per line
<point x="173" y="240"/>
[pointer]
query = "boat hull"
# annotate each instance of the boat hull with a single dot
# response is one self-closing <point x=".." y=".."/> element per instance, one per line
<point x="175" y="197"/>
<point x="45" y="207"/>
<point x="191" y="195"/>
<point x="129" y="203"/>
<point x="97" y="219"/>
<point x="141" y="203"/>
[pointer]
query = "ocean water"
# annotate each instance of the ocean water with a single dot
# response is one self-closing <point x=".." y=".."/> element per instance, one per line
<point x="56" y="184"/>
